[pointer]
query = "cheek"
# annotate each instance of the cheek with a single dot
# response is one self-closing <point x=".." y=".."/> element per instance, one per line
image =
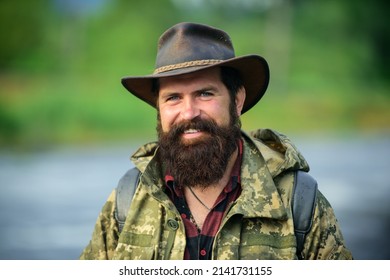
<point x="222" y="114"/>
<point x="166" y="120"/>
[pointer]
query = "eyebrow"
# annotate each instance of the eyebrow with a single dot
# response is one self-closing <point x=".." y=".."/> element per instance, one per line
<point x="204" y="89"/>
<point x="209" y="88"/>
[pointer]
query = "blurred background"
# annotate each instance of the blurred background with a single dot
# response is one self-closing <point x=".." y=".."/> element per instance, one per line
<point x="68" y="127"/>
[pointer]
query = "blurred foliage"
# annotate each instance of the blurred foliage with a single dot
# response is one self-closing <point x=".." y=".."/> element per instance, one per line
<point x="61" y="62"/>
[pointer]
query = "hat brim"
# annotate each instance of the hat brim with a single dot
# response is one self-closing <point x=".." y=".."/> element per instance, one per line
<point x="253" y="68"/>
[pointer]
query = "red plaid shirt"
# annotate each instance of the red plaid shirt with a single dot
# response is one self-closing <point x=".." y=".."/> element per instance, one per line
<point x="199" y="243"/>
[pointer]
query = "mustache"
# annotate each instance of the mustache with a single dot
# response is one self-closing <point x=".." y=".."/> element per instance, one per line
<point x="197" y="123"/>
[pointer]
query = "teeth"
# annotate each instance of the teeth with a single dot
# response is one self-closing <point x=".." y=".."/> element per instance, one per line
<point x="191" y="131"/>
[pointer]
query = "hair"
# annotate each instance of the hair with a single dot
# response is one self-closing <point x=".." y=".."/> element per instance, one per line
<point x="232" y="80"/>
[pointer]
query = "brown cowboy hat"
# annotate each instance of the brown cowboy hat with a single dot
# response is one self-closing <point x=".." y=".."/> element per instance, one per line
<point x="188" y="47"/>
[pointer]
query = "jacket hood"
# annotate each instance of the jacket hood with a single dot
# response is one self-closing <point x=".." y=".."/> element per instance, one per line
<point x="146" y="153"/>
<point x="279" y="153"/>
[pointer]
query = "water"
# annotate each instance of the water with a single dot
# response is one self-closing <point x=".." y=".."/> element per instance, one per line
<point x="50" y="200"/>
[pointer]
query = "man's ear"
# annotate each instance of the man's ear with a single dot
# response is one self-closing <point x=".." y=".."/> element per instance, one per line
<point x="240" y="99"/>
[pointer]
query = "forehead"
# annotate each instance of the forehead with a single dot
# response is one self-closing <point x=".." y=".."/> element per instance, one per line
<point x="211" y="75"/>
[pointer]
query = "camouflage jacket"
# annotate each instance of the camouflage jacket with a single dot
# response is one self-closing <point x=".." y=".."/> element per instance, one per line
<point x="258" y="225"/>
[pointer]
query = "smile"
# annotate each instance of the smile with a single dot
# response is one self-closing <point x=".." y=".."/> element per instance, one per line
<point x="191" y="131"/>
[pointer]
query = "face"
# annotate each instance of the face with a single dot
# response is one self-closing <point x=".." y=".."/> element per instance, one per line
<point x="198" y="127"/>
<point x="198" y="95"/>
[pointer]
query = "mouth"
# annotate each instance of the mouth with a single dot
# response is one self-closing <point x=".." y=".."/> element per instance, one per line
<point x="191" y="134"/>
<point x="191" y="131"/>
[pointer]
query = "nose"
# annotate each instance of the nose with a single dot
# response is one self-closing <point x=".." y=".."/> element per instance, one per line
<point x="190" y="109"/>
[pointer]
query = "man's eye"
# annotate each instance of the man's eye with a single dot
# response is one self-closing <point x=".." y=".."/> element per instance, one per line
<point x="172" y="98"/>
<point x="206" y="94"/>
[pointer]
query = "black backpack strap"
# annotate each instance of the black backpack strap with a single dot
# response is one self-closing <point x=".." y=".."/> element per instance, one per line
<point x="303" y="204"/>
<point x="124" y="195"/>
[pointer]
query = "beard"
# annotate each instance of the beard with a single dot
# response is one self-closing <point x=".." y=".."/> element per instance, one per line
<point x="200" y="162"/>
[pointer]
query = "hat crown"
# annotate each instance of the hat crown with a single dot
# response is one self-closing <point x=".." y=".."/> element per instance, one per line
<point x="189" y="47"/>
<point x="189" y="42"/>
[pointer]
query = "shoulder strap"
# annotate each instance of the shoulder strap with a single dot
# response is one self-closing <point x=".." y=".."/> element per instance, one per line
<point x="303" y="204"/>
<point x="124" y="194"/>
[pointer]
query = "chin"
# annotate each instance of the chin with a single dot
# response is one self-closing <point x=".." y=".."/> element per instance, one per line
<point x="195" y="141"/>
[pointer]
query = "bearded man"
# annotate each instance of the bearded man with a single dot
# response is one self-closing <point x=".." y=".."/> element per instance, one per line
<point x="208" y="190"/>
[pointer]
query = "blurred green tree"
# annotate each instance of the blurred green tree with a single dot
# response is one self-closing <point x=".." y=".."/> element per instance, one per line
<point x="370" y="21"/>
<point x="21" y="29"/>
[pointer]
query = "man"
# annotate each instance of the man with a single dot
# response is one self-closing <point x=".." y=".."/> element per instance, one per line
<point x="208" y="190"/>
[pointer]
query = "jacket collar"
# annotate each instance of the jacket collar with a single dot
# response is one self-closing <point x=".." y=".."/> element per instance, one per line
<point x="259" y="196"/>
<point x="266" y="154"/>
